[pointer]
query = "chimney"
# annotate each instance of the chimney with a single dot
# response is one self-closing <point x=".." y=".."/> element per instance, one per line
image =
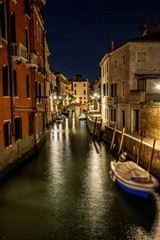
<point x="113" y="44"/>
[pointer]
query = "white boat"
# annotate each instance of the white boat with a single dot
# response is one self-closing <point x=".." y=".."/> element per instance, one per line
<point x="133" y="178"/>
<point x="60" y="119"/>
<point x="82" y="116"/>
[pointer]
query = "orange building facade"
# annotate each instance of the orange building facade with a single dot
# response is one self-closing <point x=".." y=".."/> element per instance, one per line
<point x="22" y="77"/>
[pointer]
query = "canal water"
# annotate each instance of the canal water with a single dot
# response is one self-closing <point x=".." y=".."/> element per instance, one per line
<point x="65" y="192"/>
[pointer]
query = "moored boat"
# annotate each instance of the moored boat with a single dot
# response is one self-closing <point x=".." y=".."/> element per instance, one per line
<point x="82" y="116"/>
<point x="133" y="178"/>
<point x="60" y="119"/>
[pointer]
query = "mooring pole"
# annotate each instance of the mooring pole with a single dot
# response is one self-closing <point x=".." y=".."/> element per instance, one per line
<point x="150" y="164"/>
<point x="113" y="137"/>
<point x="120" y="146"/>
<point x="139" y="152"/>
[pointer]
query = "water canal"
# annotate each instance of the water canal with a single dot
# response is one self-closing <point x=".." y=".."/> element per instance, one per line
<point x="65" y="192"/>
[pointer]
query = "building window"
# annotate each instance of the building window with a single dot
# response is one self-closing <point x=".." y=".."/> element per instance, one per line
<point x="104" y="89"/>
<point x="141" y="56"/>
<point x="26" y="39"/>
<point x="84" y="101"/>
<point x="30" y="123"/>
<point x="123" y="119"/>
<point x="114" y="90"/>
<point x="75" y="92"/>
<point x="27" y="86"/>
<point x="75" y="85"/>
<point x="26" y="7"/>
<point x="84" y="98"/>
<point x="113" y="114"/>
<point x="123" y="60"/>
<point x="84" y="92"/>
<point x="18" y="129"/>
<point x="7" y="134"/>
<point x="13" y="28"/>
<point x="123" y="88"/>
<point x="5" y="81"/>
<point x="15" y="82"/>
<point x="84" y="85"/>
<point x="115" y="64"/>
<point x="40" y="91"/>
<point x="107" y="89"/>
<point x="141" y="85"/>
<point x="2" y="20"/>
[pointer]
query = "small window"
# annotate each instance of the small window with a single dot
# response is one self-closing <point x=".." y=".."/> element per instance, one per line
<point x="113" y="114"/>
<point x="75" y="85"/>
<point x="123" y="60"/>
<point x="26" y="7"/>
<point x="84" y="92"/>
<point x="5" y="81"/>
<point x="26" y="39"/>
<point x="107" y="89"/>
<point x="123" y="88"/>
<point x="7" y="134"/>
<point x="27" y="86"/>
<point x="104" y="89"/>
<point x="115" y="64"/>
<point x="141" y="85"/>
<point x="15" y="82"/>
<point x="84" y="84"/>
<point x="18" y="129"/>
<point x="2" y="20"/>
<point x="75" y="92"/>
<point x="114" y="90"/>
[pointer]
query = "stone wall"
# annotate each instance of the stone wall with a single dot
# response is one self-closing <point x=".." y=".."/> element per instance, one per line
<point x="130" y="145"/>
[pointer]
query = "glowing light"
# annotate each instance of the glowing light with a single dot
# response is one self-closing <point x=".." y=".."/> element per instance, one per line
<point x="55" y="97"/>
<point x="95" y="94"/>
<point x="158" y="86"/>
<point x="98" y="96"/>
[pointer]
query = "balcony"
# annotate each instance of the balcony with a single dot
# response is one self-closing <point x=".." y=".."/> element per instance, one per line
<point x="1" y="38"/>
<point x="19" y="52"/>
<point x="33" y="61"/>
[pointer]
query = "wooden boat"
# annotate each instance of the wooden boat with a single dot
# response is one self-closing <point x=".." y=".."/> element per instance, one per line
<point x="60" y="119"/>
<point x="82" y="116"/>
<point x="133" y="178"/>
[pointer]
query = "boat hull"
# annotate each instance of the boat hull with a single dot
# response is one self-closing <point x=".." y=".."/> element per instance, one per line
<point x="132" y="185"/>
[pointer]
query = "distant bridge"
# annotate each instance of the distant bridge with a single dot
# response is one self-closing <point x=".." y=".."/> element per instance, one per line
<point x="80" y="105"/>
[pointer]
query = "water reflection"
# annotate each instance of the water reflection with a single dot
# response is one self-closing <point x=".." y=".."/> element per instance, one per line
<point x="65" y="192"/>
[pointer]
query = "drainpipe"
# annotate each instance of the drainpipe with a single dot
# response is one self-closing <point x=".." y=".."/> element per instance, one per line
<point x="10" y="64"/>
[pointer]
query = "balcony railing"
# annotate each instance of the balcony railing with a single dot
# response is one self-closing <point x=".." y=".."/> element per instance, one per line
<point x="42" y="99"/>
<point x="33" y="60"/>
<point x="1" y="38"/>
<point x="19" y="52"/>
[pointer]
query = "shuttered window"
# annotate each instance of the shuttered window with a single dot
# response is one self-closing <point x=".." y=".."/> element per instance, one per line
<point x="27" y="86"/>
<point x="7" y="134"/>
<point x="30" y="120"/>
<point x="18" y="129"/>
<point x="5" y="81"/>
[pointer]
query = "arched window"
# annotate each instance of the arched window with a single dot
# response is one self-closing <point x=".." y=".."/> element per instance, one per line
<point x="26" y="40"/>
<point x="2" y="20"/>
<point x="15" y="82"/>
<point x="27" y="86"/>
<point x="5" y="81"/>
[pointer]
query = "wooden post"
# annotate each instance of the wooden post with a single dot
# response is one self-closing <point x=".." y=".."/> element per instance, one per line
<point x="113" y="137"/>
<point x="94" y="127"/>
<point x="120" y="146"/>
<point x="139" y="152"/>
<point x="150" y="164"/>
<point x="99" y="135"/>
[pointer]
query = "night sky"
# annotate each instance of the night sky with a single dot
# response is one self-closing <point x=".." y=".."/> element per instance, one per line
<point x="79" y="32"/>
